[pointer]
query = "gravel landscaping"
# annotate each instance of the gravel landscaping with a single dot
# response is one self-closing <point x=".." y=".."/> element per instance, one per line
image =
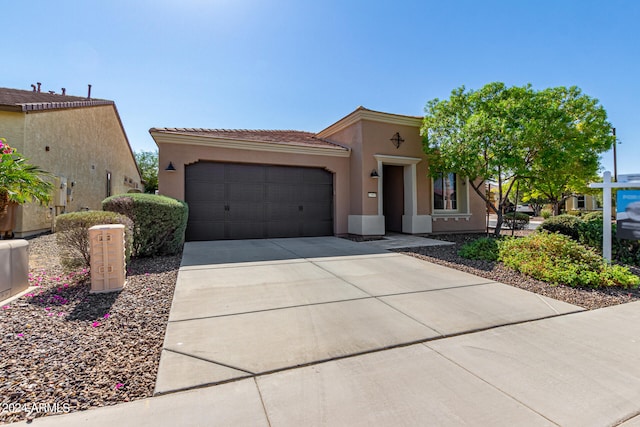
<point x="63" y="346"/>
<point x="73" y="350"/>
<point x="586" y="298"/>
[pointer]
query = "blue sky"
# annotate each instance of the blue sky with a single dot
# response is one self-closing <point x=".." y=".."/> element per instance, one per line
<point x="297" y="64"/>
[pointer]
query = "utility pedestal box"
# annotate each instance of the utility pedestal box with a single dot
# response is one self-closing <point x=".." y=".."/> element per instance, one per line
<point x="14" y="267"/>
<point x="108" y="262"/>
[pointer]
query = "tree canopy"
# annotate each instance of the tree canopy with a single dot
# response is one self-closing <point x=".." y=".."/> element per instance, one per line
<point x="551" y="138"/>
<point x="148" y="165"/>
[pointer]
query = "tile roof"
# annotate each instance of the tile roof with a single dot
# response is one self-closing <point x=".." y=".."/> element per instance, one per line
<point x="287" y="137"/>
<point x="28" y="100"/>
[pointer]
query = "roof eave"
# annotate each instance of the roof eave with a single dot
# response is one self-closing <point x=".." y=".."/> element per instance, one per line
<point x="161" y="137"/>
<point x="362" y="113"/>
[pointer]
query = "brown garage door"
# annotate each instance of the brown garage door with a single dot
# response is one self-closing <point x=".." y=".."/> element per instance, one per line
<point x="246" y="201"/>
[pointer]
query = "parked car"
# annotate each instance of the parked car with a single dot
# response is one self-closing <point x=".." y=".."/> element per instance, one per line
<point x="528" y="209"/>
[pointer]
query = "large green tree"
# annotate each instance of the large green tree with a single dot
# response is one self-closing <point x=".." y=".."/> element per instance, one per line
<point x="573" y="132"/>
<point x="506" y="135"/>
<point x="148" y="165"/>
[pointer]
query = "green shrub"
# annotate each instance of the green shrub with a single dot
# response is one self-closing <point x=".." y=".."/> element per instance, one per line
<point x="563" y="224"/>
<point x="159" y="221"/>
<point x="622" y="251"/>
<point x="546" y="213"/>
<point x="556" y="259"/>
<point x="591" y="215"/>
<point x="517" y="221"/>
<point x="485" y="248"/>
<point x="574" y="212"/>
<point x="72" y="235"/>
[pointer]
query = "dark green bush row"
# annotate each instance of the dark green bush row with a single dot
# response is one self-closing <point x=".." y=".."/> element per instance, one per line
<point x="72" y="235"/>
<point x="563" y="224"/>
<point x="159" y="221"/>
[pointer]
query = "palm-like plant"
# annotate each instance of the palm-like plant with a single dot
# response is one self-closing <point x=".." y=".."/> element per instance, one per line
<point x="20" y="181"/>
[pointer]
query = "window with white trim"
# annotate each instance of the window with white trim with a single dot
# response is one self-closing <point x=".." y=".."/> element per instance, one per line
<point x="445" y="194"/>
<point x="581" y="202"/>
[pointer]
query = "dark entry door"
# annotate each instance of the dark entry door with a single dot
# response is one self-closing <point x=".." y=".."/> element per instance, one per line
<point x="246" y="201"/>
<point x="393" y="197"/>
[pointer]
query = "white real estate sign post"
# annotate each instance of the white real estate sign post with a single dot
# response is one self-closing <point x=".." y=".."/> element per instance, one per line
<point x="606" y="186"/>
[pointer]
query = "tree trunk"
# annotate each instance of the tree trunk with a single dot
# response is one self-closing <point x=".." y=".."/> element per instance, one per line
<point x="499" y="222"/>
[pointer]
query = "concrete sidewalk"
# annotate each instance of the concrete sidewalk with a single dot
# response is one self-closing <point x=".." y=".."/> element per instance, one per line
<point x="324" y="331"/>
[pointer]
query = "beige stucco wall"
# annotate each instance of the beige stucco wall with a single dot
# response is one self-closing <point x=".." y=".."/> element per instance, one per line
<point x="84" y="143"/>
<point x="352" y="137"/>
<point x="377" y="140"/>
<point x="172" y="183"/>
<point x="368" y="138"/>
<point x="12" y="128"/>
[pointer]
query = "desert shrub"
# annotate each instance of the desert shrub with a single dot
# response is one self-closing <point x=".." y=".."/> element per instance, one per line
<point x="563" y="224"/>
<point x="546" y="213"/>
<point x="517" y="221"/>
<point x="484" y="248"/>
<point x="72" y="235"/>
<point x="556" y="259"/>
<point x="159" y="221"/>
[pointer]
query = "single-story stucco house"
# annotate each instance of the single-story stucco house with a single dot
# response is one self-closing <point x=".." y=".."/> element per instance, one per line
<point x="366" y="174"/>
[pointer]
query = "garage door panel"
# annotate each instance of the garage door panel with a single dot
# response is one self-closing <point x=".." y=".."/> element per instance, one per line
<point x="315" y="175"/>
<point x="282" y="211"/>
<point x="205" y="230"/>
<point x="204" y="191"/>
<point x="242" y="201"/>
<point x="316" y="193"/>
<point x="283" y="174"/>
<point x="316" y="211"/>
<point x="283" y="193"/>
<point x="246" y="192"/>
<point x="317" y="228"/>
<point x="205" y="171"/>
<point x="206" y="211"/>
<point x="245" y="211"/>
<point x="244" y="173"/>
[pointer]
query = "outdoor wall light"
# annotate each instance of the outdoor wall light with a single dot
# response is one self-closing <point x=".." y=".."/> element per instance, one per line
<point x="170" y="168"/>
<point x="374" y="174"/>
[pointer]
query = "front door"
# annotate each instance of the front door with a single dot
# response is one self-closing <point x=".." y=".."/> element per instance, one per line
<point x="393" y="197"/>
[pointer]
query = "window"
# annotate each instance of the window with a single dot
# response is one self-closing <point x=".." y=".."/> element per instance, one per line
<point x="580" y="202"/>
<point x="108" y="183"/>
<point x="445" y="195"/>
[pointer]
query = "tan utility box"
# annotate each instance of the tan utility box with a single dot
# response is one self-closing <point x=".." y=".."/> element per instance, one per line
<point x="14" y="267"/>
<point x="108" y="263"/>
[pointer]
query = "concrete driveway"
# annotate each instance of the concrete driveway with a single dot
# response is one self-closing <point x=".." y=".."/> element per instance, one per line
<point x="251" y="307"/>
<point x="324" y="331"/>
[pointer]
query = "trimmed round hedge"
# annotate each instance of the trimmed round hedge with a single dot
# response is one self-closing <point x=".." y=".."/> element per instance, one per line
<point x="159" y="221"/>
<point x="563" y="224"/>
